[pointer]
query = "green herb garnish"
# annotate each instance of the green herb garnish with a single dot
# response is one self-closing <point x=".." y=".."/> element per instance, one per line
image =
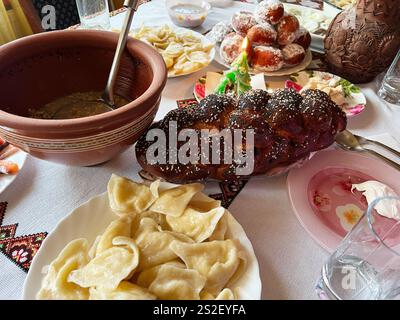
<point x="348" y="87"/>
<point x="310" y="73"/>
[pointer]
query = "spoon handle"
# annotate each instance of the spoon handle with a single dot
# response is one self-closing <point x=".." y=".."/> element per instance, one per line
<point x="131" y="6"/>
<point x="379" y="144"/>
<point x="387" y="160"/>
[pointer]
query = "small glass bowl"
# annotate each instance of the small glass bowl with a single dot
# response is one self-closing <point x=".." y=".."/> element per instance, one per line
<point x="179" y="12"/>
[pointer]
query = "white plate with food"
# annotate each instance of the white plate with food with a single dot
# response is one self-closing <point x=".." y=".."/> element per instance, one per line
<point x="10" y="165"/>
<point x="151" y="250"/>
<point x="341" y="4"/>
<point x="345" y="94"/>
<point x="184" y="51"/>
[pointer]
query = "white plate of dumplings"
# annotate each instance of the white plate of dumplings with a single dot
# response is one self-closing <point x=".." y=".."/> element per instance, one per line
<point x="158" y="241"/>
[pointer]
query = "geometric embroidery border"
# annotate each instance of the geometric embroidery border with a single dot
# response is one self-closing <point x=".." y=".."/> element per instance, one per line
<point x="20" y="250"/>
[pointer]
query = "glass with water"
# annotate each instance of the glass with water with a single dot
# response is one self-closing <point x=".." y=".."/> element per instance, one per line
<point x="366" y="265"/>
<point x="390" y="89"/>
<point x="94" y="14"/>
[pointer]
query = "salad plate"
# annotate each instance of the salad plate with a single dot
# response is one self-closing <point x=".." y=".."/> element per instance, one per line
<point x="346" y="95"/>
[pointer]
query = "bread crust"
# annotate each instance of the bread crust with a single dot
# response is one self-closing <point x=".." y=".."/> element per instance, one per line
<point x="287" y="127"/>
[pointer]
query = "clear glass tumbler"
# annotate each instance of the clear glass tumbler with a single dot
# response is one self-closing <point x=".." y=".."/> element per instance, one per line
<point x="94" y="14"/>
<point x="390" y="89"/>
<point x="366" y="265"/>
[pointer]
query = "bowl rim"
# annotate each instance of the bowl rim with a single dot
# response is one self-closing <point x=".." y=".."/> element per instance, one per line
<point x="203" y="3"/>
<point x="155" y="61"/>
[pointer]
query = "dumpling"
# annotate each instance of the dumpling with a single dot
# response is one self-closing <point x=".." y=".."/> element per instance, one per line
<point x="55" y="285"/>
<point x="109" y="267"/>
<point x="154" y="244"/>
<point x="161" y="219"/>
<point x="226" y="294"/>
<point x="197" y="225"/>
<point x="205" y="295"/>
<point x="204" y="203"/>
<point x="174" y="283"/>
<point x="174" y="201"/>
<point x="129" y="197"/>
<point x="117" y="228"/>
<point x="93" y="248"/>
<point x="125" y="291"/>
<point x="217" y="261"/>
<point x="146" y="277"/>
<point x="221" y="228"/>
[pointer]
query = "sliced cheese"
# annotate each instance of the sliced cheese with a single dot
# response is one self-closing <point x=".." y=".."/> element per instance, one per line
<point x="212" y="81"/>
<point x="258" y="82"/>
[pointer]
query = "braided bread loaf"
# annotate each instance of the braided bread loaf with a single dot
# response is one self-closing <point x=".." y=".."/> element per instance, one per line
<point x="287" y="126"/>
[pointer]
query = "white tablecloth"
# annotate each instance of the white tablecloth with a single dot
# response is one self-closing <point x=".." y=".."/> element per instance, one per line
<point x="290" y="261"/>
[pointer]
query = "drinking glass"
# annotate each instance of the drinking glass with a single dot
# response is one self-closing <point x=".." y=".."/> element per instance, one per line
<point x="94" y="14"/>
<point x="366" y="265"/>
<point x="390" y="89"/>
<point x="391" y="113"/>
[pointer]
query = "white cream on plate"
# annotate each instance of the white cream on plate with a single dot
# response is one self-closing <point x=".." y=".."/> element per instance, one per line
<point x="373" y="190"/>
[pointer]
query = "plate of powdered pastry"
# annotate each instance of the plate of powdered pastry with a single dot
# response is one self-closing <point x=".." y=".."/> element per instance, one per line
<point x="278" y="44"/>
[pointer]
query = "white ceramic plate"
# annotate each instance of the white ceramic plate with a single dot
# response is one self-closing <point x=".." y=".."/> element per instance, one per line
<point x="283" y="72"/>
<point x="18" y="158"/>
<point x="203" y="39"/>
<point x="91" y="219"/>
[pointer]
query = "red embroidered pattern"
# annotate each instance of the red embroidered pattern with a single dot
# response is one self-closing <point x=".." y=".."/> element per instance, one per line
<point x="230" y="190"/>
<point x="19" y="250"/>
<point x="186" y="103"/>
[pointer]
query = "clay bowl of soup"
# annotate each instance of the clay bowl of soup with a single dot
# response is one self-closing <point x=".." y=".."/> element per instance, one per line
<point x="45" y="70"/>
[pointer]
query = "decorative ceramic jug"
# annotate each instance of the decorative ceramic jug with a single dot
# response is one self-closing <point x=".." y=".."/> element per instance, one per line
<point x="363" y="40"/>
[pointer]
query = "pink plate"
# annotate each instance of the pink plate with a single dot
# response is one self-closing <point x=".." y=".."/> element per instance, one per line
<point x="321" y="196"/>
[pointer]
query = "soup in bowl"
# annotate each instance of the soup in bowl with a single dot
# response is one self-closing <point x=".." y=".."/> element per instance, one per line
<point x="39" y="70"/>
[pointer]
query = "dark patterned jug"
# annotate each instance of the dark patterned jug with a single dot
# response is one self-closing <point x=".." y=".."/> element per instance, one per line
<point x="363" y="40"/>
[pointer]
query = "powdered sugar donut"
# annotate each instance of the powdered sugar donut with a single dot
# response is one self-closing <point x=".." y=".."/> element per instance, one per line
<point x="293" y="54"/>
<point x="219" y="31"/>
<point x="270" y="11"/>
<point x="303" y="38"/>
<point x="262" y="35"/>
<point x="231" y="47"/>
<point x="267" y="58"/>
<point x="287" y="29"/>
<point x="242" y="21"/>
